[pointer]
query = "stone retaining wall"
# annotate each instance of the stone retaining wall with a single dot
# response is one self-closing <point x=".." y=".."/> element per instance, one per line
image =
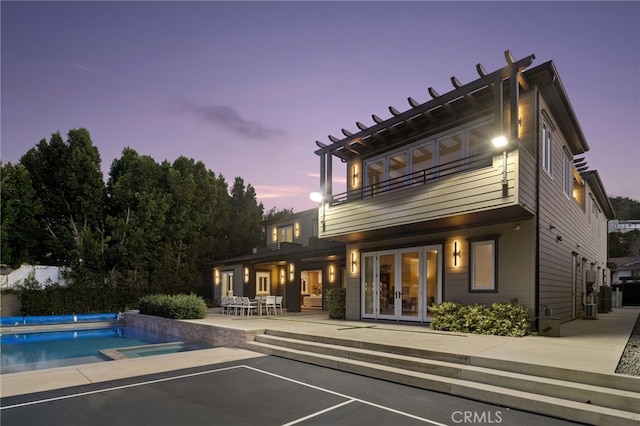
<point x="190" y="331"/>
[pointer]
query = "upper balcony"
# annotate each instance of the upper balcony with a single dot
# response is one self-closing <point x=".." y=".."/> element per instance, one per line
<point x="480" y="189"/>
<point x="432" y="166"/>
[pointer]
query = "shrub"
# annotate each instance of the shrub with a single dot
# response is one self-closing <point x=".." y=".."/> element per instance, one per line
<point x="178" y="306"/>
<point x="501" y="319"/>
<point x="336" y="302"/>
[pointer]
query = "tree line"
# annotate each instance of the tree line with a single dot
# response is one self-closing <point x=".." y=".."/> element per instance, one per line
<point x="150" y="228"/>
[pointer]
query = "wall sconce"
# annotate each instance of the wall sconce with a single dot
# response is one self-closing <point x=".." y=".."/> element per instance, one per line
<point x="456" y="253"/>
<point x="354" y="262"/>
<point x="297" y="229"/>
<point x="291" y="271"/>
<point x="332" y="274"/>
<point x="246" y="275"/>
<point x="216" y="275"/>
<point x="281" y="275"/>
<point x="354" y="176"/>
<point x="274" y="234"/>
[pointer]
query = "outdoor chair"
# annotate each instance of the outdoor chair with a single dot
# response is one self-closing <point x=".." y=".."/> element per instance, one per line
<point x="224" y="304"/>
<point x="248" y="306"/>
<point x="270" y="304"/>
<point x="279" y="304"/>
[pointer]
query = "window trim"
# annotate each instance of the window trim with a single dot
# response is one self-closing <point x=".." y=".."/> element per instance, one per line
<point x="473" y="242"/>
<point x="547" y="148"/>
<point x="567" y="178"/>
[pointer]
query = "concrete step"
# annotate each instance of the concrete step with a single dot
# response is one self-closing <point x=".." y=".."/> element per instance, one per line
<point x="573" y="401"/>
<point x="614" y="381"/>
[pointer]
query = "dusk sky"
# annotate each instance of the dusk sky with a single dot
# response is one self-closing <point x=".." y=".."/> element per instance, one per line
<point x="248" y="87"/>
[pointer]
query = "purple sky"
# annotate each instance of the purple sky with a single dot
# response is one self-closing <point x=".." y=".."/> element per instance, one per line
<point x="248" y="87"/>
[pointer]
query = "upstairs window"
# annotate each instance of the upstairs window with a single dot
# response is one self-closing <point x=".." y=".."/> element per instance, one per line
<point x="547" y="148"/>
<point x="285" y="234"/>
<point x="446" y="154"/>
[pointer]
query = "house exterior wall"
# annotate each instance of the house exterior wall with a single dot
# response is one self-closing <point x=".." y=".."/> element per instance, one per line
<point x="516" y="247"/>
<point x="567" y="229"/>
<point x="304" y="226"/>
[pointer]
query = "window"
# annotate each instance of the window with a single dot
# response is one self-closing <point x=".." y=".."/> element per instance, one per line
<point x="263" y="283"/>
<point x="483" y="265"/>
<point x="285" y="234"/>
<point x="547" y="148"/>
<point x="568" y="176"/>
<point x="449" y="153"/>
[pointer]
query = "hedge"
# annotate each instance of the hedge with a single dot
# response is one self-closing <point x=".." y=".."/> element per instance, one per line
<point x="336" y="302"/>
<point x="500" y="319"/>
<point x="178" y="306"/>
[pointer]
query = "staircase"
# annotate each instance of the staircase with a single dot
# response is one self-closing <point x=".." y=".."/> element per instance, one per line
<point x="592" y="398"/>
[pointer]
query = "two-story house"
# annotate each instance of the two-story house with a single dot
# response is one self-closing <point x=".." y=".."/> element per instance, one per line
<point x="294" y="263"/>
<point x="478" y="195"/>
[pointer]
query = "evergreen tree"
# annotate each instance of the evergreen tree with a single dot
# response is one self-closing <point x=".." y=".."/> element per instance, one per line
<point x="21" y="208"/>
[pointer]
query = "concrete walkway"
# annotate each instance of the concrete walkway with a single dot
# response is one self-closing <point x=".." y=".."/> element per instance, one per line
<point x="584" y="345"/>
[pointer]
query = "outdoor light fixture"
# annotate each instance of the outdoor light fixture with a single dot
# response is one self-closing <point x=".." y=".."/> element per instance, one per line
<point x="291" y="270"/>
<point x="217" y="276"/>
<point x="316" y="196"/>
<point x="499" y="141"/>
<point x="297" y="229"/>
<point x="354" y="181"/>
<point x="282" y="276"/>
<point x="246" y="275"/>
<point x="319" y="198"/>
<point x="456" y="253"/>
<point x="274" y="234"/>
<point x="332" y="273"/>
<point x="354" y="262"/>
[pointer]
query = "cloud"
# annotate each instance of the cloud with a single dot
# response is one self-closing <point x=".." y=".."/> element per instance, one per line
<point x="229" y="118"/>
<point x="281" y="191"/>
<point x="82" y="67"/>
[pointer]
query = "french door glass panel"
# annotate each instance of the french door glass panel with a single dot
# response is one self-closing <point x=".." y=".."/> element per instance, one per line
<point x="387" y="288"/>
<point x="410" y="284"/>
<point x="368" y="285"/>
<point x="432" y="274"/>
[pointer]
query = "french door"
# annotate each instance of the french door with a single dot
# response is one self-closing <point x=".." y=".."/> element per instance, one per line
<point x="401" y="284"/>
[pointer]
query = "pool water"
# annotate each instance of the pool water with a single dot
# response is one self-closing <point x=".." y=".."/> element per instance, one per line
<point x="39" y="350"/>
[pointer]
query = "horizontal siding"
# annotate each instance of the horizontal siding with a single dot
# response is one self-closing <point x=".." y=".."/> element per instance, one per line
<point x="516" y="266"/>
<point x="474" y="191"/>
<point x="571" y="233"/>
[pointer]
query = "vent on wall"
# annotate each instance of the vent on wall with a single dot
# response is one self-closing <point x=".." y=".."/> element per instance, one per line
<point x="591" y="277"/>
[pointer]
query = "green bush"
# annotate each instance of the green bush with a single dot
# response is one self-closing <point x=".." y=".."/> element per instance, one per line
<point x="178" y="306"/>
<point x="500" y="319"/>
<point x="336" y="302"/>
<point x="55" y="299"/>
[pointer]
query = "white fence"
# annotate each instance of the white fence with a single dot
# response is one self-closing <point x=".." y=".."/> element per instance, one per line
<point x="44" y="275"/>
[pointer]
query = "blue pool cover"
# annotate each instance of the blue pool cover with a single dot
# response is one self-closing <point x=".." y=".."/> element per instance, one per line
<point x="57" y="319"/>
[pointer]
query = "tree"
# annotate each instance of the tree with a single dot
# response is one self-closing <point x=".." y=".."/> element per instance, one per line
<point x="246" y="230"/>
<point x="625" y="208"/>
<point x="66" y="177"/>
<point x="20" y="210"/>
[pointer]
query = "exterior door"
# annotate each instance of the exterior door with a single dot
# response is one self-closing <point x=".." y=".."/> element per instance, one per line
<point x="401" y="284"/>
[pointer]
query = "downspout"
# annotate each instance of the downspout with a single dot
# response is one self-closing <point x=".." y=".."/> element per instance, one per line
<point x="537" y="248"/>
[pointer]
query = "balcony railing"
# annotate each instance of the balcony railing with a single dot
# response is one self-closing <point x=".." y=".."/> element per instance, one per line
<point x="418" y="178"/>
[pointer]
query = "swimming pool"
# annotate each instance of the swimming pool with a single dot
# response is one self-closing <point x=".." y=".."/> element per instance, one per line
<point x="29" y="351"/>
